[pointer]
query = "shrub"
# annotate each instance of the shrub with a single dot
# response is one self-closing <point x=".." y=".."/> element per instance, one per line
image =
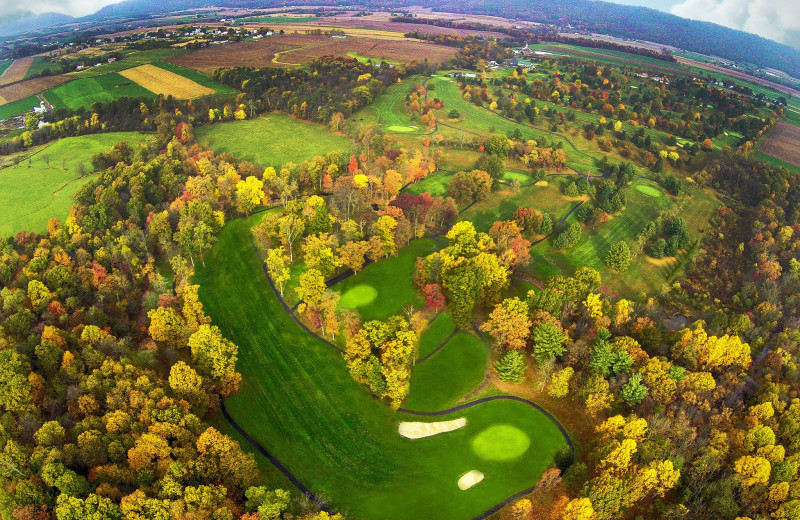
<point x="511" y="367"/>
<point x="568" y="237"/>
<point x="454" y="114"/>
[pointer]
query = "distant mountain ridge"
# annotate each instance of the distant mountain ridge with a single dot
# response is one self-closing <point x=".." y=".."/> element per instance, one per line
<point x="24" y="21"/>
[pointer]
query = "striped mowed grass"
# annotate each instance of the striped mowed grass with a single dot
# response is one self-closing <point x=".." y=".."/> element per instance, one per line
<point x="164" y="82"/>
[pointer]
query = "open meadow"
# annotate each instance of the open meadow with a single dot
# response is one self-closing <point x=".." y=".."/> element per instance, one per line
<point x="41" y="186"/>
<point x="271" y="140"/>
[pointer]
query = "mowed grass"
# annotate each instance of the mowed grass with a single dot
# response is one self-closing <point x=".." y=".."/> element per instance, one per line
<point x="100" y="89"/>
<point x="298" y="400"/>
<point x="358" y="296"/>
<point x="443" y="379"/>
<point x="391" y="278"/>
<point x="271" y="140"/>
<point x="438" y="330"/>
<point x="33" y="195"/>
<point x="18" y="107"/>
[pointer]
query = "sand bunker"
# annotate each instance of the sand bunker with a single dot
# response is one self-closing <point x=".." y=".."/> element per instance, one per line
<point x="469" y="479"/>
<point x="418" y="430"/>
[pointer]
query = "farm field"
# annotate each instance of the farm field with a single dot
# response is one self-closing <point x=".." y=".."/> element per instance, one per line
<point x="391" y="279"/>
<point x="271" y="140"/>
<point x="760" y="156"/>
<point x="31" y="87"/>
<point x="783" y="143"/>
<point x="16" y="70"/>
<point x="161" y="81"/>
<point x="298" y="400"/>
<point x="16" y="108"/>
<point x="39" y="192"/>
<point x="441" y="380"/>
<point x="298" y="49"/>
<point x="85" y="91"/>
<point x="130" y="58"/>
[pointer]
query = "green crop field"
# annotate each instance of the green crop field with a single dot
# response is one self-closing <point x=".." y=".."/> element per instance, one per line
<point x="776" y="162"/>
<point x="4" y="65"/>
<point x="98" y="89"/>
<point x="391" y="279"/>
<point x="298" y="400"/>
<point x="271" y="140"/>
<point x="33" y="193"/>
<point x="18" y="107"/>
<point x="39" y="65"/>
<point x="447" y="376"/>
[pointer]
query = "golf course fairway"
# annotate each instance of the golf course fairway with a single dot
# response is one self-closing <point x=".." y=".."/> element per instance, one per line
<point x="299" y="403"/>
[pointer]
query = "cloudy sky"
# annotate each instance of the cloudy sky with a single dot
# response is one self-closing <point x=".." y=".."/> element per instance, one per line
<point x="774" y="19"/>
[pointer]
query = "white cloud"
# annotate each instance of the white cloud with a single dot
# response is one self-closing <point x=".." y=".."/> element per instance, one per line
<point x="776" y="20"/>
<point x="71" y="7"/>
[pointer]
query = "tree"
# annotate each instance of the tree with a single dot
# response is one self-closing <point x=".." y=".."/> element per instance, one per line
<point x="753" y="470"/>
<point x="559" y="382"/>
<point x="249" y="194"/>
<point x="319" y="255"/>
<point x="579" y="509"/>
<point x="548" y="342"/>
<point x="385" y="230"/>
<point x="184" y="381"/>
<point x="509" y="324"/>
<point x="291" y="228"/>
<point x="276" y="267"/>
<point x="167" y="326"/>
<point x="215" y="357"/>
<point x="634" y="391"/>
<point x="511" y="367"/>
<point x="312" y="287"/>
<point x="619" y="256"/>
<point x="352" y="254"/>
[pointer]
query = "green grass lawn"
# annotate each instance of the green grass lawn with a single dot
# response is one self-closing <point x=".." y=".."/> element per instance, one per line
<point x="33" y="195"/>
<point x="391" y="278"/>
<point x="437" y="331"/>
<point x="298" y="400"/>
<point x="271" y="140"/>
<point x="450" y="374"/>
<point x="389" y="110"/>
<point x="18" y="107"/>
<point x="85" y="91"/>
<point x="4" y="65"/>
<point x="435" y="184"/>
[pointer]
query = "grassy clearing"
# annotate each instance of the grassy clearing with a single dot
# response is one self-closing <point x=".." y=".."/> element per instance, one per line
<point x="389" y="109"/>
<point x="435" y="184"/>
<point x="437" y="331"/>
<point x="450" y="374"/>
<point x="502" y="204"/>
<point x="33" y="195"/>
<point x="100" y="89"/>
<point x="298" y="400"/>
<point x="4" y="65"/>
<point x="18" y="107"/>
<point x="272" y="140"/>
<point x="391" y="278"/>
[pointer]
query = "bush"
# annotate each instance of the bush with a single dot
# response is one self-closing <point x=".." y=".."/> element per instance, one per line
<point x="539" y="175"/>
<point x="619" y="256"/>
<point x="656" y="249"/>
<point x="454" y="114"/>
<point x="511" y="367"/>
<point x="571" y="190"/>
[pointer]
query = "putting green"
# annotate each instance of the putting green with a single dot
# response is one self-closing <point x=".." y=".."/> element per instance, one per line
<point x="650" y="191"/>
<point x="358" y="296"/>
<point x="501" y="442"/>
<point x="401" y="129"/>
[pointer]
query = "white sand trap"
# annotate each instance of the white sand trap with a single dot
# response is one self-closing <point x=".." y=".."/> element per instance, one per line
<point x="419" y="430"/>
<point x="469" y="479"/>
